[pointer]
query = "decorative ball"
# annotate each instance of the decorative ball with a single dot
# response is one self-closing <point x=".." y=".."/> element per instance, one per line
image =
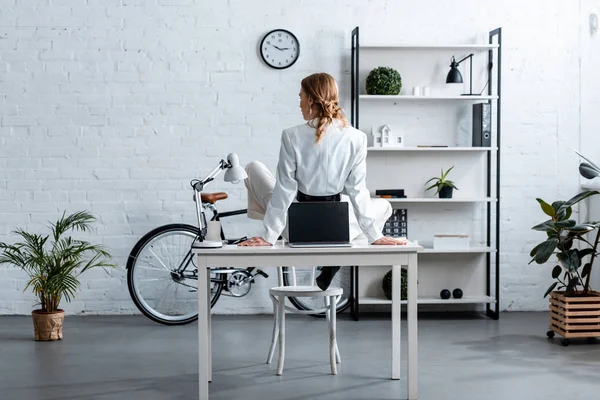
<point x="457" y="293"/>
<point x="384" y="80"/>
<point x="445" y="294"/>
<point x="386" y="285"/>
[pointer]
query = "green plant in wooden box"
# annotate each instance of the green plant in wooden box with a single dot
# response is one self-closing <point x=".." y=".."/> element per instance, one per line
<point x="573" y="305"/>
<point x="562" y="233"/>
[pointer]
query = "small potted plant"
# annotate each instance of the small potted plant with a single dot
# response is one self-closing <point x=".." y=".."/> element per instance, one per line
<point x="443" y="185"/>
<point x="53" y="264"/>
<point x="383" y="81"/>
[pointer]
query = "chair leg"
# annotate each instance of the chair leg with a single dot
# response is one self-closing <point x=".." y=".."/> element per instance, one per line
<point x="281" y="311"/>
<point x="275" y="330"/>
<point x="338" y="359"/>
<point x="332" y="338"/>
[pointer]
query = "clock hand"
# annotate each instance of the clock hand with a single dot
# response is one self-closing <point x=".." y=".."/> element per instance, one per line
<point x="276" y="47"/>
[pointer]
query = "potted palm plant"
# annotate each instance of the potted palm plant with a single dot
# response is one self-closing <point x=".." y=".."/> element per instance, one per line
<point x="444" y="186"/>
<point x="53" y="264"/>
<point x="574" y="307"/>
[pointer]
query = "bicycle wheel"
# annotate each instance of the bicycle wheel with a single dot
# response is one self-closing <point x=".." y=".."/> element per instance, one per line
<point x="303" y="278"/>
<point x="162" y="277"/>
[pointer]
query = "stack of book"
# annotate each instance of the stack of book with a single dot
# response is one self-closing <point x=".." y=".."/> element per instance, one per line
<point x="390" y="193"/>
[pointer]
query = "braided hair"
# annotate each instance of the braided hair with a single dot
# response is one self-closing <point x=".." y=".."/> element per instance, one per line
<point x="323" y="90"/>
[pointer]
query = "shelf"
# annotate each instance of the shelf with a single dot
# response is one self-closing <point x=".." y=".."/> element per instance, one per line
<point x="423" y="98"/>
<point x="416" y="148"/>
<point x="482" y="249"/>
<point x="415" y="46"/>
<point x="431" y="300"/>
<point x="438" y="200"/>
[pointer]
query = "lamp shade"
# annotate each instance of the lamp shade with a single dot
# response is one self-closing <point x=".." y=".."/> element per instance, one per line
<point x="454" y="75"/>
<point x="235" y="173"/>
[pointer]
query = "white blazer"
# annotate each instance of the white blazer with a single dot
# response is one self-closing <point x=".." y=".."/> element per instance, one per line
<point x="336" y="164"/>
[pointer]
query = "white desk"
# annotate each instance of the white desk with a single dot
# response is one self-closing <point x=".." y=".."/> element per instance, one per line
<point x="283" y="255"/>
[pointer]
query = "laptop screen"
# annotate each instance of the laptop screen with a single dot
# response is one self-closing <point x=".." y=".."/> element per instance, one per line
<point x="325" y="221"/>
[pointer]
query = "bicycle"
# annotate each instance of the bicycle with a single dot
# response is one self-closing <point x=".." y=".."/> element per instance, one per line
<point x="154" y="260"/>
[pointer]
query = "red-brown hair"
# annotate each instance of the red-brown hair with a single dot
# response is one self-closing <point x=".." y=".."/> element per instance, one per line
<point x="323" y="90"/>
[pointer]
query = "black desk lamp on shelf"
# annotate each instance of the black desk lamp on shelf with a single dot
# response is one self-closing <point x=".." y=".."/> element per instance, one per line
<point x="454" y="76"/>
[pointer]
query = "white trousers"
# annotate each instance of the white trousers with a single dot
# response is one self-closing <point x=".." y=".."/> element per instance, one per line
<point x="261" y="182"/>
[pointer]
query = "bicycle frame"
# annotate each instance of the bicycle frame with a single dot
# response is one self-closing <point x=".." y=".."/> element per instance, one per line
<point x="189" y="256"/>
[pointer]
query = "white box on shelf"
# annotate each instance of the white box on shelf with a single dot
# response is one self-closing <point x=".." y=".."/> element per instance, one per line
<point x="450" y="241"/>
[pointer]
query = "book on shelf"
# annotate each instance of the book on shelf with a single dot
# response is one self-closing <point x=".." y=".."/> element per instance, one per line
<point x="397" y="224"/>
<point x="390" y="193"/>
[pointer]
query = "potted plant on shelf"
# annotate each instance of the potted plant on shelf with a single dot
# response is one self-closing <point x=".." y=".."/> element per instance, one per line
<point x="574" y="307"/>
<point x="53" y="264"/>
<point x="383" y="81"/>
<point x="443" y="185"/>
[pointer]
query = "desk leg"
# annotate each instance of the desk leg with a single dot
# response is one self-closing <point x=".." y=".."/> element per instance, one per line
<point x="203" y="334"/>
<point x="209" y="325"/>
<point x="396" y="336"/>
<point x="413" y="361"/>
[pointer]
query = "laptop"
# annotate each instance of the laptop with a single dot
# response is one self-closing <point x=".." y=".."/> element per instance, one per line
<point x="319" y="224"/>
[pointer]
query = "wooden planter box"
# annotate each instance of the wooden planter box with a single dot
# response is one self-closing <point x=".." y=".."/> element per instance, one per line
<point x="574" y="316"/>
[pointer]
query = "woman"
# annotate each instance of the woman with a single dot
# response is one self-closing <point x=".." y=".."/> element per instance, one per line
<point x="319" y="160"/>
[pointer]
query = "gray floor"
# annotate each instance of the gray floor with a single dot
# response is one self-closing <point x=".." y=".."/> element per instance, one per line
<point x="129" y="358"/>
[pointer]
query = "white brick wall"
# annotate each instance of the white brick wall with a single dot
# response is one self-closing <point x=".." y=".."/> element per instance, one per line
<point x="114" y="105"/>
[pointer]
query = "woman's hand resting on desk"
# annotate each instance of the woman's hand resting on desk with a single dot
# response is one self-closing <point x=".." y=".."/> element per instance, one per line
<point x="390" y="241"/>
<point x="255" y="241"/>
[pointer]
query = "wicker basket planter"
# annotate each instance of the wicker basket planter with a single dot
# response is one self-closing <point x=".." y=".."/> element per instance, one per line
<point x="574" y="316"/>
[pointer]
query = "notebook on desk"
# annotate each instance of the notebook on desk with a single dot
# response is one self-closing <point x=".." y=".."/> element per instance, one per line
<point x="319" y="224"/>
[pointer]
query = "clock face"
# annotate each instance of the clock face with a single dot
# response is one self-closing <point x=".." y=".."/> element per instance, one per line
<point x="280" y="49"/>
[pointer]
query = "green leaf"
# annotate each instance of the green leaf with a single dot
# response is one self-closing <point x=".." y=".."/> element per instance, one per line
<point x="557" y="204"/>
<point x="580" y="229"/>
<point x="568" y="213"/>
<point x="587" y="159"/>
<point x="585" y="252"/>
<point x="445" y="174"/>
<point x="556" y="272"/>
<point x="583" y="195"/>
<point x="587" y="268"/>
<point x="588" y="171"/>
<point x="547" y="208"/>
<point x="545" y="226"/>
<point x="550" y="289"/>
<point x="573" y="260"/>
<point x="545" y="250"/>
<point x="566" y="224"/>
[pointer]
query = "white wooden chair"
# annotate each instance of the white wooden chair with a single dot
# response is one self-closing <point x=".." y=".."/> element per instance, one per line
<point x="278" y="295"/>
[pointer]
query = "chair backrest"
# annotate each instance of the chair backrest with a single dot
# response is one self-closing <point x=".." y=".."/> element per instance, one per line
<point x="296" y="276"/>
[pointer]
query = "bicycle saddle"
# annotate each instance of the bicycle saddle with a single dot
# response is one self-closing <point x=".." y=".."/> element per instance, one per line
<point x="212" y="198"/>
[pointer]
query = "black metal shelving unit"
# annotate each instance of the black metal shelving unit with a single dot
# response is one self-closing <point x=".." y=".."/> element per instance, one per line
<point x="494" y="65"/>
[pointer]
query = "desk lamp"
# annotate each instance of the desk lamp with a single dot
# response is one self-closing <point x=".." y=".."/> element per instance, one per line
<point x="454" y="75"/>
<point x="234" y="173"/>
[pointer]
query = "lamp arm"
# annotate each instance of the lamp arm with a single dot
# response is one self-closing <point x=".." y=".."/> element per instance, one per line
<point x="470" y="55"/>
<point x="221" y="166"/>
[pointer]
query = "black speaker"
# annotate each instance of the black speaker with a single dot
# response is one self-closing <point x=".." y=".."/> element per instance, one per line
<point x="482" y="125"/>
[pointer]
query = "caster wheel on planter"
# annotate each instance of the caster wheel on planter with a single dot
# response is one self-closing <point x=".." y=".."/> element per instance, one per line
<point x="550" y="334"/>
<point x="565" y="342"/>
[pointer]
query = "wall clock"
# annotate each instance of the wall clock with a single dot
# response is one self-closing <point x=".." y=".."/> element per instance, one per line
<point x="279" y="49"/>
